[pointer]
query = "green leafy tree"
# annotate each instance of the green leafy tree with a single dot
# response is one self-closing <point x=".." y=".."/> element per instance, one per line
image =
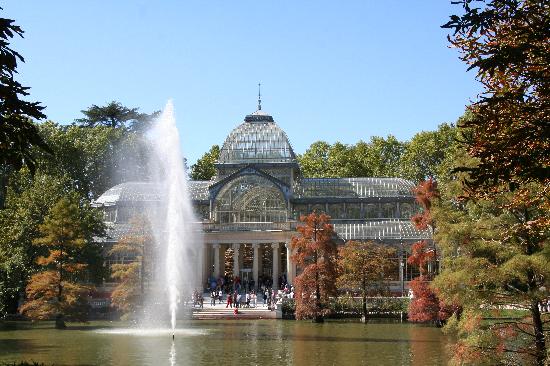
<point x="96" y="158"/>
<point x="29" y="201"/>
<point x="56" y="291"/>
<point x="380" y="157"/>
<point x="135" y="270"/>
<point x="366" y="268"/>
<point x="383" y="156"/>
<point x="18" y="134"/>
<point x="116" y="115"/>
<point x="204" y="168"/>
<point x="314" y="162"/>
<point x="315" y="255"/>
<point x="427" y="152"/>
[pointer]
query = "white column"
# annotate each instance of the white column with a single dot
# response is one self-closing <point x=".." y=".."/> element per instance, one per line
<point x="236" y="269"/>
<point x="276" y="265"/>
<point x="290" y="265"/>
<point x="255" y="263"/>
<point x="218" y="257"/>
<point x="205" y="266"/>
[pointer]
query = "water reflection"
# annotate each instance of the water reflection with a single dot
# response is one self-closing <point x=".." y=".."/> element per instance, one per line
<point x="173" y="354"/>
<point x="261" y="342"/>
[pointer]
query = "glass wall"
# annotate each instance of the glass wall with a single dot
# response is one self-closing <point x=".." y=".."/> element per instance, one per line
<point x="250" y="198"/>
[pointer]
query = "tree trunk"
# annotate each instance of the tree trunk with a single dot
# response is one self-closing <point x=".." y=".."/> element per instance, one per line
<point x="3" y="187"/>
<point x="540" y="343"/>
<point x="60" y="322"/>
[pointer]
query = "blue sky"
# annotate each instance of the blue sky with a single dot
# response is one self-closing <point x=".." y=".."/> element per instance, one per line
<point x="330" y="70"/>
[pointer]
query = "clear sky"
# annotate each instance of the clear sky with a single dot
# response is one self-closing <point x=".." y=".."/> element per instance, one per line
<point x="330" y="70"/>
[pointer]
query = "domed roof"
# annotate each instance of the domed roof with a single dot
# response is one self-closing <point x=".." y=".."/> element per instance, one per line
<point x="257" y="140"/>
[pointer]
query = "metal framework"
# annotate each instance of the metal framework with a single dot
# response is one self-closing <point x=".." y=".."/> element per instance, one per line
<point x="258" y="140"/>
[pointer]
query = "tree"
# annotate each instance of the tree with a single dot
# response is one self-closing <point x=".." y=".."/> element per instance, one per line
<point x="366" y="267"/>
<point x="95" y="158"/>
<point x="115" y="115"/>
<point x="314" y="162"/>
<point x="425" y="305"/>
<point x="18" y="134"/>
<point x="383" y="156"/>
<point x="380" y="157"/>
<point x="315" y="254"/>
<point x="490" y="263"/>
<point x="204" y="168"/>
<point x="135" y="271"/>
<point x="29" y="201"/>
<point x="56" y="291"/>
<point x="506" y="188"/>
<point x="426" y="153"/>
<point x="508" y="43"/>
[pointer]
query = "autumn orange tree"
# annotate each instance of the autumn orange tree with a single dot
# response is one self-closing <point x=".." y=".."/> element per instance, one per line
<point x="366" y="268"/>
<point x="426" y="305"/>
<point x="56" y="291"/>
<point x="133" y="273"/>
<point x="315" y="255"/>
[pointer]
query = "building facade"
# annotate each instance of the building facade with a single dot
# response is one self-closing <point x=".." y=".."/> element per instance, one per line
<point x="249" y="211"/>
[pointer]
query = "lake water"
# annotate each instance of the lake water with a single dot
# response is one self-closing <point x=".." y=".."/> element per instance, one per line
<point x="222" y="343"/>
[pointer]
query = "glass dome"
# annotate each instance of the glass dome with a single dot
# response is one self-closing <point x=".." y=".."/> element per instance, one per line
<point x="257" y="140"/>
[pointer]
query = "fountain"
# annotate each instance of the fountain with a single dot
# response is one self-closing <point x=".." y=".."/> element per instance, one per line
<point x="173" y="222"/>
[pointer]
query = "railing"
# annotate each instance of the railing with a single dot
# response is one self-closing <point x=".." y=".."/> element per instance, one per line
<point x="249" y="226"/>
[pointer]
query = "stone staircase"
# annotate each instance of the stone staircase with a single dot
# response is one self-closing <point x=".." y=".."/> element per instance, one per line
<point x="219" y="311"/>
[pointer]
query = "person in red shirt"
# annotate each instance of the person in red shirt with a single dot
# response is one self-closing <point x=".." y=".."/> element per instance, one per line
<point x="229" y="301"/>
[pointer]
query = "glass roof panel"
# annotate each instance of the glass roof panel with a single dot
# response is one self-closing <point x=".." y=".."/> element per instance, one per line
<point x="257" y="141"/>
<point x="352" y="187"/>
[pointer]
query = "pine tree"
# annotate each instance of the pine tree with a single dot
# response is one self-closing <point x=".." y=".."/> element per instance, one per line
<point x="56" y="290"/>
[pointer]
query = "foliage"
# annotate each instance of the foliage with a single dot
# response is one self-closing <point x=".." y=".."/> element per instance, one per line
<point x="56" y="291"/>
<point x="204" y="168"/>
<point x="18" y="135"/>
<point x="496" y="226"/>
<point x="315" y="254"/>
<point x="424" y="156"/>
<point x="115" y="115"/>
<point x="508" y="43"/>
<point x="29" y="201"/>
<point x="379" y="157"/>
<point x="96" y="158"/>
<point x="426" y="153"/>
<point x="425" y="305"/>
<point x="134" y="251"/>
<point x="367" y="268"/>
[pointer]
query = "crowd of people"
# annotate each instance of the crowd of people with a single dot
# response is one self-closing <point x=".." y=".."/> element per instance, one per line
<point x="236" y="294"/>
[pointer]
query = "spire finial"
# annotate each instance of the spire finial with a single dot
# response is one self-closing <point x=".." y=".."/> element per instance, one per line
<point x="259" y="97"/>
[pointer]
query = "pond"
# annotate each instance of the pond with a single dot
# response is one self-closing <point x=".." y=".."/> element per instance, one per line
<point x="229" y="342"/>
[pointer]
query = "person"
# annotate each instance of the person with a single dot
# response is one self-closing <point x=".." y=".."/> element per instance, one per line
<point x="229" y="301"/>
<point x="254" y="298"/>
<point x="220" y="295"/>
<point x="238" y="302"/>
<point x="248" y="299"/>
<point x="213" y="298"/>
<point x="265" y="297"/>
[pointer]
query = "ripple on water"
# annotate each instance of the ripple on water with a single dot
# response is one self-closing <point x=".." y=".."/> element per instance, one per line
<point x="152" y="332"/>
